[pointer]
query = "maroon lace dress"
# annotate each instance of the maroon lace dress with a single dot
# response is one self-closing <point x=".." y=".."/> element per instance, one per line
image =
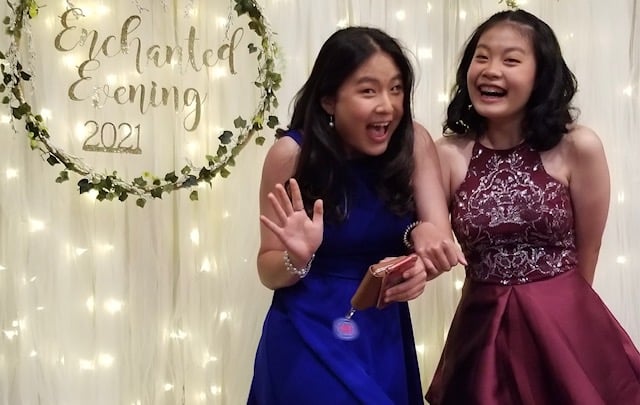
<point x="529" y="329"/>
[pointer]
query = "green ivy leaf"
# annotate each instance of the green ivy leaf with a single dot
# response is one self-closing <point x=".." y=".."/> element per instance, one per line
<point x="226" y="137"/>
<point x="194" y="195"/>
<point x="140" y="182"/>
<point x="239" y="122"/>
<point x="156" y="192"/>
<point x="140" y="202"/>
<point x="273" y="121"/>
<point x="84" y="185"/>
<point x="171" y="177"/>
<point x="52" y="160"/>
<point x="64" y="176"/>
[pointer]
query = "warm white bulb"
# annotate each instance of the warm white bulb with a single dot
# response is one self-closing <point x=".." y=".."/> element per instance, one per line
<point x="463" y="15"/>
<point x="628" y="91"/>
<point x="45" y="113"/>
<point x="218" y="72"/>
<point x="35" y="225"/>
<point x="102" y="10"/>
<point x="620" y="197"/>
<point x="179" y="335"/>
<point x="221" y="22"/>
<point x="206" y="266"/>
<point x="401" y="15"/>
<point x="420" y="349"/>
<point x="105" y="360"/>
<point x="192" y="147"/>
<point x="621" y="259"/>
<point x="90" y="304"/>
<point x="10" y="334"/>
<point x="458" y="284"/>
<point x="195" y="236"/>
<point x="168" y="387"/>
<point x="91" y="195"/>
<point x="86" y="365"/>
<point x="112" y="306"/>
<point x="216" y="390"/>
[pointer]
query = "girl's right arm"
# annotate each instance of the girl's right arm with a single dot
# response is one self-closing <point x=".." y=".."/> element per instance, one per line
<point x="284" y="225"/>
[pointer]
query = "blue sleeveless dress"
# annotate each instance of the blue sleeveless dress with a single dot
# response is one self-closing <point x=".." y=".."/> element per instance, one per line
<point x="299" y="360"/>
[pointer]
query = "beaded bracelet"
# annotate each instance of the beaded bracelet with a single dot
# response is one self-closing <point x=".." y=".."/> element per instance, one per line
<point x="302" y="272"/>
<point x="405" y="237"/>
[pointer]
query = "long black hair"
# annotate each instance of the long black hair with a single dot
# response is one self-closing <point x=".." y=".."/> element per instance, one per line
<point x="320" y="169"/>
<point x="548" y="111"/>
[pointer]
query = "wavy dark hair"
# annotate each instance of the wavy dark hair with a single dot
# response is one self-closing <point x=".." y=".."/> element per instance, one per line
<point x="548" y="110"/>
<point x="321" y="167"/>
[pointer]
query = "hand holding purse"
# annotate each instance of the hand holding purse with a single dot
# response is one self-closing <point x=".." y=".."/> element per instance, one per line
<point x="378" y="279"/>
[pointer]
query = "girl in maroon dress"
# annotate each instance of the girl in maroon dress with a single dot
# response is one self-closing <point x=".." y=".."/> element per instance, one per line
<point x="528" y="191"/>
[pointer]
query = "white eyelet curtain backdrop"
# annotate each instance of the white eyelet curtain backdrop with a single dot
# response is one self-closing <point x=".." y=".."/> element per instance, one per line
<point x="106" y="303"/>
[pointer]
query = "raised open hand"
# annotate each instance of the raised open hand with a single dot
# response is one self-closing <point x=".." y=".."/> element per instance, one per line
<point x="300" y="234"/>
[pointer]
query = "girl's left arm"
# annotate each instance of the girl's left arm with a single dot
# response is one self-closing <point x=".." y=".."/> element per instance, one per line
<point x="590" y="189"/>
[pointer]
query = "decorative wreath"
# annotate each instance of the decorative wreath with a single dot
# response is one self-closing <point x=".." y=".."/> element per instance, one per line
<point x="111" y="186"/>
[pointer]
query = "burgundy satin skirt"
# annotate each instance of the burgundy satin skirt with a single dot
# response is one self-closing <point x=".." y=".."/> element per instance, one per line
<point x="545" y="343"/>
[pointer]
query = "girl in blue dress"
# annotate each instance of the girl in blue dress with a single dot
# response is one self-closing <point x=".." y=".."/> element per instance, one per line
<point x="352" y="154"/>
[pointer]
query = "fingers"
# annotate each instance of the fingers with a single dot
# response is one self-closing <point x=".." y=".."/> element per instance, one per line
<point x="282" y="199"/>
<point x="277" y="207"/>
<point x="272" y="226"/>
<point x="296" y="195"/>
<point x="442" y="256"/>
<point x="415" y="280"/>
<point x="461" y="258"/>
<point x="318" y="213"/>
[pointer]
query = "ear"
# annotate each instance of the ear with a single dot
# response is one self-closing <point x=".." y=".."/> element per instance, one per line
<point x="328" y="105"/>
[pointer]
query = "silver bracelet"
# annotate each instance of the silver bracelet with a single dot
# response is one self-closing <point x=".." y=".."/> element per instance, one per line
<point x="302" y="272"/>
<point x="405" y="237"/>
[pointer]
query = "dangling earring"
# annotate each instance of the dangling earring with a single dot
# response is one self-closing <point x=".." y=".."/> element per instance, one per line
<point x="469" y="107"/>
<point x="464" y="125"/>
<point x="331" y="124"/>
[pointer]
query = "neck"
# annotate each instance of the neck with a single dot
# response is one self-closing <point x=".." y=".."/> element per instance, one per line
<point x="502" y="135"/>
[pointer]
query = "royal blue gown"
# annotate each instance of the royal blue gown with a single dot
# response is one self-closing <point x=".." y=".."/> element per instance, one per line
<point x="299" y="360"/>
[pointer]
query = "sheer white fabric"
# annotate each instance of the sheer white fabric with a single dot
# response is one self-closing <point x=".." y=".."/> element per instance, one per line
<point x="106" y="303"/>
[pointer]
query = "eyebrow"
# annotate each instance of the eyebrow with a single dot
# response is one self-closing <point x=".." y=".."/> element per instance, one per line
<point x="367" y="79"/>
<point x="510" y="49"/>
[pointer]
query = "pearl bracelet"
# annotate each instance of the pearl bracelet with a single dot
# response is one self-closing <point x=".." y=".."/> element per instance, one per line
<point x="405" y="237"/>
<point x="302" y="272"/>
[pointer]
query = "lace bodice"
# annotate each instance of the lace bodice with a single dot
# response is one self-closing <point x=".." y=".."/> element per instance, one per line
<point x="513" y="220"/>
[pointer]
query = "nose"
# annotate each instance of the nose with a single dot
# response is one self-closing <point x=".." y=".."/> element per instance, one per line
<point x="384" y="103"/>
<point x="492" y="69"/>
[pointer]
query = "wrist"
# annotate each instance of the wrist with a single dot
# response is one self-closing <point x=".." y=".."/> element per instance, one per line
<point x="406" y="237"/>
<point x="301" y="272"/>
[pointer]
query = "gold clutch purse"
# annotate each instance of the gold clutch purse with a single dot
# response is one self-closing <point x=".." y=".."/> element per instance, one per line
<point x="377" y="280"/>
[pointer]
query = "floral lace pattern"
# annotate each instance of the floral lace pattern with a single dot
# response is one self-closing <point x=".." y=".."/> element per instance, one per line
<point x="513" y="220"/>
